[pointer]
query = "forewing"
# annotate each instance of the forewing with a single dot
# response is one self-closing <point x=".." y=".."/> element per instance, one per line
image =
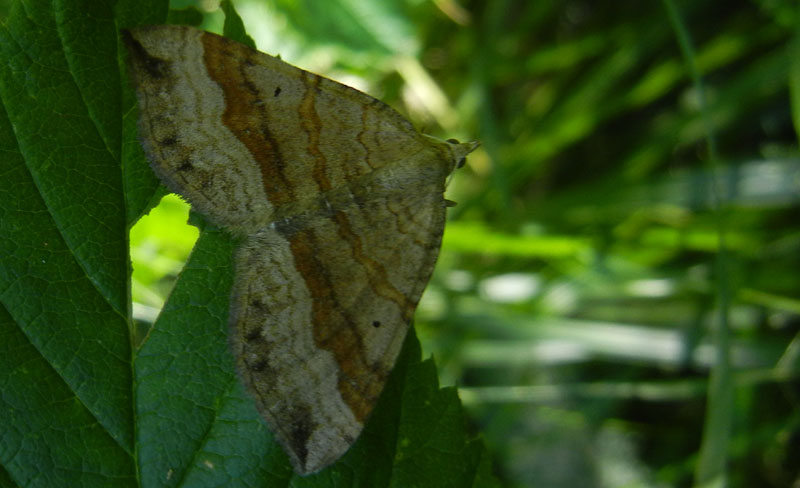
<point x="239" y="133"/>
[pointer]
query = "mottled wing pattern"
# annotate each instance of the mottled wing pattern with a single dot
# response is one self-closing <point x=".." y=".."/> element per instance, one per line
<point x="340" y="203"/>
<point x="322" y="320"/>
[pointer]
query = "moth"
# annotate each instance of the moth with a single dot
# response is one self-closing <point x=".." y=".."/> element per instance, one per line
<point x="339" y="204"/>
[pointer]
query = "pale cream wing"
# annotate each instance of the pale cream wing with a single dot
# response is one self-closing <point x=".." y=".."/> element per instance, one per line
<point x="323" y="302"/>
<point x="237" y="132"/>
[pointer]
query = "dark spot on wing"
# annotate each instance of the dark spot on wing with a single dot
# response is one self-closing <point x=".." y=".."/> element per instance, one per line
<point x="186" y="165"/>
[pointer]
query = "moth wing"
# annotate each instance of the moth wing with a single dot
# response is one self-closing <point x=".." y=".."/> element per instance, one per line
<point x="239" y="133"/>
<point x="321" y="309"/>
<point x="341" y="204"/>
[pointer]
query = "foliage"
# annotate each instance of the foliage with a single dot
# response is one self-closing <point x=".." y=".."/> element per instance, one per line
<point x="89" y="396"/>
<point x="617" y="293"/>
<point x="623" y="256"/>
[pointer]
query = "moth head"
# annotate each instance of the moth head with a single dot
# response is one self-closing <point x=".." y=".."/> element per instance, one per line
<point x="458" y="154"/>
<point x="460" y="150"/>
<point x="457" y="151"/>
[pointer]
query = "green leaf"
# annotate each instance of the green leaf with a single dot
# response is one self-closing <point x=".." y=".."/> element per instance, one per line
<point x="234" y="28"/>
<point x="354" y="25"/>
<point x="64" y="273"/>
<point x="80" y="404"/>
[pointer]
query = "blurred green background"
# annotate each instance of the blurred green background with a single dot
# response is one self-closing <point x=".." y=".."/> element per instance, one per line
<point x="618" y="293"/>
